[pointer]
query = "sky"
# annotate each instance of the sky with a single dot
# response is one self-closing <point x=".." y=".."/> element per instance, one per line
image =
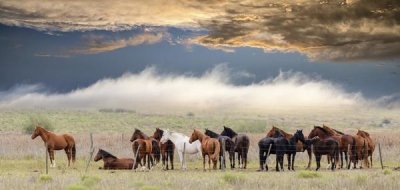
<point x="199" y="54"/>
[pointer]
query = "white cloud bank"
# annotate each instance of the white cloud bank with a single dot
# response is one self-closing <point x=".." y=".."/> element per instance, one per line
<point x="149" y="91"/>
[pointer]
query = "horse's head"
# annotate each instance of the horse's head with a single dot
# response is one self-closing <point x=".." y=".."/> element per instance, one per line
<point x="158" y="133"/>
<point x="277" y="134"/>
<point x="299" y="135"/>
<point x="313" y="132"/>
<point x="137" y="134"/>
<point x="165" y="136"/>
<point x="99" y="155"/>
<point x="210" y="133"/>
<point x="228" y="132"/>
<point x="195" y="136"/>
<point x="36" y="132"/>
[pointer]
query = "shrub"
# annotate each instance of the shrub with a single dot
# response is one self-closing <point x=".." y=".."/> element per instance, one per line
<point x="387" y="172"/>
<point x="233" y="178"/>
<point x="309" y="174"/>
<point x="37" y="120"/>
<point x="45" y="178"/>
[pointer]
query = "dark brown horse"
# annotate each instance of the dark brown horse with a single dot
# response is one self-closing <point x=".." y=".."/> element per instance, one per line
<point x="359" y="151"/>
<point x="209" y="147"/>
<point x="346" y="143"/>
<point x="370" y="142"/>
<point x="146" y="151"/>
<point x="57" y="142"/>
<point x="325" y="144"/>
<point x="111" y="162"/>
<point x="167" y="149"/>
<point x="242" y="144"/>
<point x="300" y="146"/>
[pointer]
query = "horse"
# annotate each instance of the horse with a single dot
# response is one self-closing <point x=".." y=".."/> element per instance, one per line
<point x="346" y="141"/>
<point x="300" y="146"/>
<point x="111" y="162"/>
<point x="229" y="147"/>
<point x="146" y="148"/>
<point x="278" y="145"/>
<point x="359" y="151"/>
<point x="180" y="141"/>
<point x="209" y="147"/>
<point x="324" y="145"/>
<point x="292" y="147"/>
<point x="242" y="144"/>
<point x="56" y="142"/>
<point x="370" y="143"/>
<point x="166" y="150"/>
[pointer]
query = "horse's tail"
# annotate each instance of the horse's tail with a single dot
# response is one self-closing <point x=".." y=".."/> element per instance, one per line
<point x="216" y="150"/>
<point x="73" y="153"/>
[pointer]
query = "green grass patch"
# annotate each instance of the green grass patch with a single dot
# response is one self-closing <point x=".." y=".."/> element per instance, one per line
<point x="387" y="172"/>
<point x="77" y="187"/>
<point x="45" y="178"/>
<point x="90" y="181"/>
<point x="233" y="178"/>
<point x="309" y="174"/>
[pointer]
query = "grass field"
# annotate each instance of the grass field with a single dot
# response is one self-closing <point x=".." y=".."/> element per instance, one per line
<point x="22" y="164"/>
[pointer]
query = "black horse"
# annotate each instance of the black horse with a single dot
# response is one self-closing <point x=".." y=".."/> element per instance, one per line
<point x="229" y="147"/>
<point x="329" y="147"/>
<point x="278" y="144"/>
<point x="242" y="144"/>
<point x="291" y="149"/>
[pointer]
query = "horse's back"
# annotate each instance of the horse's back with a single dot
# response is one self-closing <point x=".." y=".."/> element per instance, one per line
<point x="69" y="138"/>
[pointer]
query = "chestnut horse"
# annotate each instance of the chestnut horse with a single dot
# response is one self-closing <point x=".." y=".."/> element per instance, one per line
<point x="325" y="144"/>
<point x="359" y="151"/>
<point x="146" y="148"/>
<point x="300" y="146"/>
<point x="209" y="147"/>
<point x="346" y="141"/>
<point x="167" y="149"/>
<point x="242" y="144"/>
<point x="113" y="163"/>
<point x="56" y="142"/>
<point x="370" y="142"/>
<point x="229" y="147"/>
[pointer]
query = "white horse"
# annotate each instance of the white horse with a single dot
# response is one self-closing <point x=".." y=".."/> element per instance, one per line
<point x="180" y="140"/>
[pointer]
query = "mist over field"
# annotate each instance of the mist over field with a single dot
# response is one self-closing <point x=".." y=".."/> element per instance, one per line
<point x="213" y="91"/>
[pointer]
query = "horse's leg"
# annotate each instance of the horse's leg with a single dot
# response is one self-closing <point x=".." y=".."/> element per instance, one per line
<point x="309" y="157"/>
<point x="289" y="159"/>
<point x="318" y="160"/>
<point x="209" y="161"/>
<point x="51" y="155"/>
<point x="277" y="162"/>
<point x="281" y="161"/>
<point x="69" y="155"/>
<point x="204" y="162"/>
<point x="245" y="157"/>
<point x="171" y="159"/>
<point x="293" y="158"/>
<point x="341" y="159"/>
<point x="261" y="157"/>
<point x="180" y="154"/>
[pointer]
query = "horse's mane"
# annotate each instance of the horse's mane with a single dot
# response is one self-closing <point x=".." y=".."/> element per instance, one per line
<point x="365" y="132"/>
<point x="281" y="131"/>
<point x="141" y="133"/>
<point x="332" y="130"/>
<point x="338" y="131"/>
<point x="212" y="133"/>
<point x="230" y="131"/>
<point x="107" y="154"/>
<point x="324" y="130"/>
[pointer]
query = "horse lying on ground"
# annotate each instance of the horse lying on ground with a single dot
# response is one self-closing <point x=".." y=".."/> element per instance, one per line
<point x="229" y="147"/>
<point x="56" y="142"/>
<point x="113" y="163"/>
<point x="209" y="147"/>
<point x="242" y="144"/>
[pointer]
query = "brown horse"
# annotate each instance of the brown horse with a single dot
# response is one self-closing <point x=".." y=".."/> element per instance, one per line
<point x="242" y="144"/>
<point x="56" y="142"/>
<point x="166" y="149"/>
<point x="146" y="148"/>
<point x="326" y="143"/>
<point x="300" y="146"/>
<point x="359" y="151"/>
<point x="370" y="142"/>
<point x="346" y="141"/>
<point x="209" y="147"/>
<point x="111" y="162"/>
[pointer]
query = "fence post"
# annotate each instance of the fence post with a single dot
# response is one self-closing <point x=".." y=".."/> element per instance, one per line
<point x="183" y="154"/>
<point x="380" y="154"/>
<point x="47" y="157"/>
<point x="91" y="151"/>
<point x="269" y="149"/>
<point x="223" y="155"/>
<point x="134" y="160"/>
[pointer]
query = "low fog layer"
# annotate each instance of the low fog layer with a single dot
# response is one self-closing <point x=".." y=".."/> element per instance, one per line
<point x="150" y="91"/>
